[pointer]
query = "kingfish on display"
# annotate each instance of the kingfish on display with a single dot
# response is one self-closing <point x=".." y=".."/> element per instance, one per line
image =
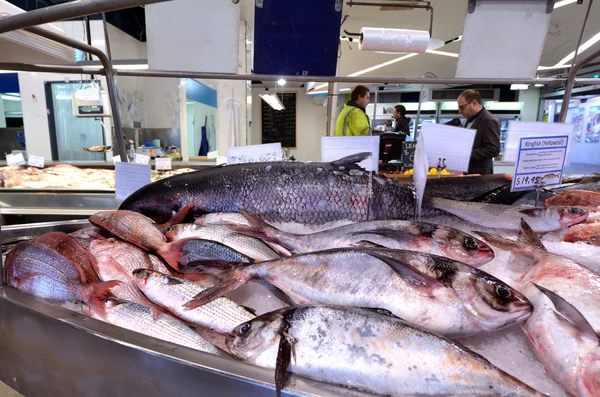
<point x="141" y="319"/>
<point x="564" y="342"/>
<point x="293" y="196"/>
<point x="369" y="351"/>
<point x="138" y="230"/>
<point x="414" y="236"/>
<point x="509" y="217"/>
<point x="35" y="269"/>
<point x="575" y="283"/>
<point x="172" y="293"/>
<point x="437" y="293"/>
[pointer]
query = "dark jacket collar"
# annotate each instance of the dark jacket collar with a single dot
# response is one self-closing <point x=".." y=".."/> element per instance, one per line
<point x="350" y="103"/>
<point x="471" y="119"/>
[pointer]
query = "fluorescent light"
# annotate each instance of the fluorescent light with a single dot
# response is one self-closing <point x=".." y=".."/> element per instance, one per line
<point x="345" y="89"/>
<point x="382" y="65"/>
<point x="538" y="85"/>
<point x="325" y="92"/>
<point x="281" y="81"/>
<point x="249" y="99"/>
<point x="519" y="86"/>
<point x="562" y="63"/>
<point x="444" y="53"/>
<point x="563" y="3"/>
<point x="62" y="97"/>
<point x="10" y="98"/>
<point x="273" y="101"/>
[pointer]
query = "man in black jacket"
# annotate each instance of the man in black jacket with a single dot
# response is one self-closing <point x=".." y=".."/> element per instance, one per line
<point x="402" y="122"/>
<point x="487" y="139"/>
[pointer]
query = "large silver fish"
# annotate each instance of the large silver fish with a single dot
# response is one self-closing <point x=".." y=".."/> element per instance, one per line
<point x="437" y="293"/>
<point x="172" y="293"/>
<point x="414" y="236"/>
<point x="369" y="351"/>
<point x="509" y="217"/>
<point x="291" y="195"/>
<point x="564" y="342"/>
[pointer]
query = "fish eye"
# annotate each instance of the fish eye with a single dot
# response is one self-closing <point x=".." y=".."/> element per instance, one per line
<point x="139" y="272"/>
<point x="569" y="197"/>
<point x="503" y="292"/>
<point x="574" y="211"/>
<point x="245" y="328"/>
<point x="470" y="243"/>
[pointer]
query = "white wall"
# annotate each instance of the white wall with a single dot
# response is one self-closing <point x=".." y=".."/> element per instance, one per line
<point x="531" y="104"/>
<point x="311" y="122"/>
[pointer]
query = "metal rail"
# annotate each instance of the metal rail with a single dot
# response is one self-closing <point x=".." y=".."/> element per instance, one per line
<point x="571" y="80"/>
<point x="109" y="73"/>
<point x="69" y="10"/>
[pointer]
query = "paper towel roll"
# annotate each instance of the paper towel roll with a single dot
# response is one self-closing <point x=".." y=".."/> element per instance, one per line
<point x="393" y="40"/>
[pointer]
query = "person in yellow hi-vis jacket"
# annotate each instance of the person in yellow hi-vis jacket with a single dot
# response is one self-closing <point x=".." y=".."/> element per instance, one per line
<point x="353" y="120"/>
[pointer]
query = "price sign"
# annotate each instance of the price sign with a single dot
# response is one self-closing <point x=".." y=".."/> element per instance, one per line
<point x="141" y="159"/>
<point x="254" y="153"/>
<point x="163" y="163"/>
<point x="15" y="159"/>
<point x="540" y="161"/>
<point x="130" y="177"/>
<point x="454" y="144"/>
<point x="35" y="161"/>
<point x="335" y="147"/>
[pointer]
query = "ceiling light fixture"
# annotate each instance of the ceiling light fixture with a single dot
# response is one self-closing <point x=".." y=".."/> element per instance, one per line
<point x="538" y="85"/>
<point x="10" y="97"/>
<point x="516" y="87"/>
<point x="281" y="81"/>
<point x="444" y="53"/>
<point x="272" y="100"/>
<point x="562" y="64"/>
<point x="563" y="3"/>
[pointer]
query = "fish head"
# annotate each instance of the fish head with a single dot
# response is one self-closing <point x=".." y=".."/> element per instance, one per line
<point x="250" y="340"/>
<point x="492" y="303"/>
<point x="98" y="246"/>
<point x="141" y="276"/>
<point x="568" y="216"/>
<point x="564" y="198"/>
<point x="462" y="247"/>
<point x="154" y="201"/>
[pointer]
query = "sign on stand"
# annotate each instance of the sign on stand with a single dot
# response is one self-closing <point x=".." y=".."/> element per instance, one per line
<point x="521" y="129"/>
<point x="540" y="162"/>
<point x="408" y="154"/>
<point x="15" y="159"/>
<point x="335" y="147"/>
<point x="449" y="145"/>
<point x="163" y="163"/>
<point x="130" y="177"/>
<point x="254" y="153"/>
<point x="35" y="161"/>
<point x="141" y="159"/>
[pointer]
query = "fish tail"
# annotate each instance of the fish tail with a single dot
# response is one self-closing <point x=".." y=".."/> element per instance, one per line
<point x="262" y="230"/>
<point x="178" y="218"/>
<point x="98" y="292"/>
<point x="171" y="252"/>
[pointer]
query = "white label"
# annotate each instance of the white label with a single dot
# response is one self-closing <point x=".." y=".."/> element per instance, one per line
<point x="254" y="153"/>
<point x="141" y="159"/>
<point x="520" y="129"/>
<point x="130" y="177"/>
<point x="15" y="159"/>
<point x="163" y="163"/>
<point x="335" y="147"/>
<point x="116" y="159"/>
<point x="449" y="145"/>
<point x="540" y="162"/>
<point x="88" y="94"/>
<point x="35" y="161"/>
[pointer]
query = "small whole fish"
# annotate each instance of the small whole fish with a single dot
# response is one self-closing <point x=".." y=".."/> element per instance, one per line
<point x="248" y="246"/>
<point x="405" y="235"/>
<point x="194" y="250"/>
<point x="68" y="247"/>
<point x="172" y="293"/>
<point x="128" y="256"/>
<point x="85" y="236"/>
<point x="369" y="351"/>
<point x="564" y="342"/>
<point x="575" y="283"/>
<point x="509" y="217"/>
<point x="586" y="233"/>
<point x="36" y="269"/>
<point x="575" y="198"/>
<point x="138" y="230"/>
<point x="141" y="319"/>
<point x="436" y="293"/>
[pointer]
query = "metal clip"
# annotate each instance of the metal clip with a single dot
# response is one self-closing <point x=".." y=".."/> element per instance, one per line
<point x="338" y="5"/>
<point x="472" y="4"/>
<point x="549" y="6"/>
<point x="260" y="3"/>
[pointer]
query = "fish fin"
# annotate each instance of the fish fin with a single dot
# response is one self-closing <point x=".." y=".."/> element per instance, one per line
<point x="258" y="228"/>
<point x="508" y="245"/>
<point x="529" y="237"/>
<point x="367" y="244"/>
<point x="352" y="160"/>
<point x="194" y="277"/>
<point x="284" y="357"/>
<point x="172" y="280"/>
<point x="221" y="270"/>
<point x="251" y="310"/>
<point x="178" y="218"/>
<point x="98" y="292"/>
<point x="24" y="277"/>
<point x="171" y="252"/>
<point x="408" y="272"/>
<point x="383" y="312"/>
<point x="568" y="313"/>
<point x="210" y="294"/>
<point x="390" y="233"/>
<point x="279" y="249"/>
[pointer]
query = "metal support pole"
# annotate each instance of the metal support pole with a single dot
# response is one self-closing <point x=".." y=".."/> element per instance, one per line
<point x="110" y="78"/>
<point x="571" y="82"/>
<point x="106" y="39"/>
<point x="587" y="14"/>
<point x="375" y="105"/>
<point x="330" y="111"/>
<point x="68" y="10"/>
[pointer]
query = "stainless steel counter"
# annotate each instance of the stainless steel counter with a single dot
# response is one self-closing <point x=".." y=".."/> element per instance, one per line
<point x="55" y="202"/>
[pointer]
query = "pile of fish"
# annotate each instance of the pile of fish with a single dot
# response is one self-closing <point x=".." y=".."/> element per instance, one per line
<point x="367" y="297"/>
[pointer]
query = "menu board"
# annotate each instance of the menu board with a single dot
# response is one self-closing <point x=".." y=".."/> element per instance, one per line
<point x="408" y="154"/>
<point x="279" y="125"/>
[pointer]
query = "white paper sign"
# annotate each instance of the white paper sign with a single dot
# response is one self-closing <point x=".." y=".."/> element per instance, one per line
<point x="141" y="159"/>
<point x="335" y="147"/>
<point x="254" y="153"/>
<point x="35" y="161"/>
<point x="15" y="159"/>
<point x="521" y="129"/>
<point x="163" y="163"/>
<point x="130" y="177"/>
<point x="454" y="144"/>
<point x="116" y="159"/>
<point x="540" y="160"/>
<point x="88" y="94"/>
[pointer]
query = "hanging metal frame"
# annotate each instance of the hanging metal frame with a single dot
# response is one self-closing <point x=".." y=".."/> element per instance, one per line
<point x="406" y="5"/>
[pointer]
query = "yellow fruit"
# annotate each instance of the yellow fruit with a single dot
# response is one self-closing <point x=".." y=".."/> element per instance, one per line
<point x="444" y="172"/>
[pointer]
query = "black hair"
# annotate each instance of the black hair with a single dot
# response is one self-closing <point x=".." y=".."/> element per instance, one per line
<point x="400" y="109"/>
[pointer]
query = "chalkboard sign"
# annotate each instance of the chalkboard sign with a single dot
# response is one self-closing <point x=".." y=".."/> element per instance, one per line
<point x="408" y="155"/>
<point x="279" y="125"/>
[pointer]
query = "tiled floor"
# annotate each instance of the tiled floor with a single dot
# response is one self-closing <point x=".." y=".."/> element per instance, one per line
<point x="6" y="391"/>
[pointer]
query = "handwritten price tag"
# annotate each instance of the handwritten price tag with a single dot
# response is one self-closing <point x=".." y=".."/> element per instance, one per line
<point x="35" y="161"/>
<point x="163" y="164"/>
<point x="15" y="159"/>
<point x="254" y="153"/>
<point x="141" y="159"/>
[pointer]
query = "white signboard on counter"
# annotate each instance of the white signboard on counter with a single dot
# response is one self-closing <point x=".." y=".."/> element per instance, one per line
<point x="141" y="158"/>
<point x="35" y="161"/>
<point x="335" y="147"/>
<point x="164" y="163"/>
<point x="130" y="177"/>
<point x="15" y="159"/>
<point x="254" y="153"/>
<point x="521" y="129"/>
<point x="449" y="145"/>
<point x="540" y="162"/>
